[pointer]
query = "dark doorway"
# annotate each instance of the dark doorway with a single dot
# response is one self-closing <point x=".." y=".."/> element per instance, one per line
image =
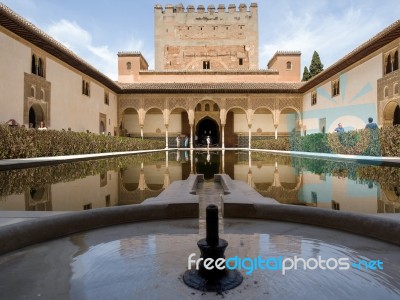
<point x="32" y="117"/>
<point x="396" y="116"/>
<point x="207" y="127"/>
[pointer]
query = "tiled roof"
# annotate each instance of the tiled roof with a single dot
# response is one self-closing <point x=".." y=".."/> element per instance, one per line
<point x="384" y="37"/>
<point x="195" y="88"/>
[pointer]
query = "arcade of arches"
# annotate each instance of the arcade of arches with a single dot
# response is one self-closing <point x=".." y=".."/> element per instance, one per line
<point x="230" y="121"/>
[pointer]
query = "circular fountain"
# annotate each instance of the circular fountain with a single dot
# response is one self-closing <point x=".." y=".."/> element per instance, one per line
<point x="142" y="252"/>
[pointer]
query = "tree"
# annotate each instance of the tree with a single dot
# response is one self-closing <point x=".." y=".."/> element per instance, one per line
<point x="306" y="74"/>
<point x="316" y="65"/>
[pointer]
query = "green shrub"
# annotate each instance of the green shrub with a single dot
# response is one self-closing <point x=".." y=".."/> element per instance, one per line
<point x="23" y="143"/>
<point x="385" y="142"/>
<point x="271" y="144"/>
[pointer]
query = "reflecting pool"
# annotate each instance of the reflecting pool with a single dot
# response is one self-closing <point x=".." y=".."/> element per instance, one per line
<point x="345" y="186"/>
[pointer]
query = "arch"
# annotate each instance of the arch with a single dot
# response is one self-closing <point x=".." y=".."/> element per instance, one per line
<point x="288" y="65"/>
<point x="396" y="88"/>
<point x="263" y="120"/>
<point x="390" y="113"/>
<point x="130" y="122"/>
<point x="128" y="65"/>
<point x="385" y="92"/>
<point x="236" y="124"/>
<point x="36" y="114"/>
<point x="207" y="107"/>
<point x="198" y="107"/>
<point x="130" y="178"/>
<point x="208" y="126"/>
<point x="396" y="116"/>
<point x="33" y="65"/>
<point x="153" y="119"/>
<point x="215" y="107"/>
<point x="102" y="127"/>
<point x="179" y="121"/>
<point x="292" y="119"/>
<point x="42" y="95"/>
<point x="33" y="92"/>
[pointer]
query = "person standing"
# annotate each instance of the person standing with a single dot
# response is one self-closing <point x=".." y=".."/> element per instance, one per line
<point x="371" y="124"/>
<point x="339" y="129"/>
<point x="42" y="126"/>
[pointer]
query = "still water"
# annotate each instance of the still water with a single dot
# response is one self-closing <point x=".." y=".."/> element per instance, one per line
<point x="131" y="180"/>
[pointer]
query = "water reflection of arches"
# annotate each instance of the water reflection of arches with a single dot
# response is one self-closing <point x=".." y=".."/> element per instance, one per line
<point x="133" y="187"/>
<point x="38" y="199"/>
<point x="283" y="185"/>
<point x="389" y="200"/>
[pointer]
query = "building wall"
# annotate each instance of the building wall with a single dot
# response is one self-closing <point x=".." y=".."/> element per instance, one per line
<point x="356" y="102"/>
<point x="66" y="105"/>
<point x="13" y="66"/>
<point x="183" y="40"/>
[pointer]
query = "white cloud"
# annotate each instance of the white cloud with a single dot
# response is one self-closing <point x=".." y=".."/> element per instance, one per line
<point x="80" y="41"/>
<point x="316" y="28"/>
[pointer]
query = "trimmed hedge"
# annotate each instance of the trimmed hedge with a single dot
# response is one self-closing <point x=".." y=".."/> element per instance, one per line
<point x="382" y="142"/>
<point x="16" y="142"/>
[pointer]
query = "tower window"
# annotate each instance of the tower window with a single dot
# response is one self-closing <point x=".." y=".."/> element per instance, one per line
<point x="289" y="65"/>
<point x="206" y="65"/>
<point x="240" y="61"/>
<point x="128" y="65"/>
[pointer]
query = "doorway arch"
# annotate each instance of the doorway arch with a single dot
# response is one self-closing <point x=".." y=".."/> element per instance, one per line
<point x="36" y="115"/>
<point x="207" y="127"/>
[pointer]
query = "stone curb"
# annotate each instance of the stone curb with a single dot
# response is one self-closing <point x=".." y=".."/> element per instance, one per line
<point x="19" y="235"/>
<point x="384" y="229"/>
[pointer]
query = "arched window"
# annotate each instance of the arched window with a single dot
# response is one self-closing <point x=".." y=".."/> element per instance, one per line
<point x="42" y="95"/>
<point x="128" y="65"/>
<point x="198" y="107"/>
<point x="33" y="64"/>
<point x="386" y="92"/>
<point x="289" y="65"/>
<point x="40" y="67"/>
<point x="396" y="61"/>
<point x="207" y="107"/>
<point x="388" y="64"/>
<point x="32" y="92"/>
<point x="87" y="89"/>
<point x="215" y="107"/>
<point x="396" y="88"/>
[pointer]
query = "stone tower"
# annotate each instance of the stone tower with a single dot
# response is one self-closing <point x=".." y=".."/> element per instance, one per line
<point x="215" y="39"/>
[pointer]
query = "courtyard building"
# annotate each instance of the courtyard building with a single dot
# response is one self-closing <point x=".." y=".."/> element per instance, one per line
<point x="207" y="82"/>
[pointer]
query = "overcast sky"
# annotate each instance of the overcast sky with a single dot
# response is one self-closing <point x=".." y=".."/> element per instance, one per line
<point x="97" y="29"/>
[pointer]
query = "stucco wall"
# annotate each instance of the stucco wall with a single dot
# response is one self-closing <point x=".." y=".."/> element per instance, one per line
<point x="15" y="61"/>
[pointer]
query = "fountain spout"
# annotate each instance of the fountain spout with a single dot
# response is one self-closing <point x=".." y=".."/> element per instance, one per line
<point x="212" y="249"/>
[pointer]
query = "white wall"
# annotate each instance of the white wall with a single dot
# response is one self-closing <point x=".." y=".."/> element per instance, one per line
<point x="15" y="60"/>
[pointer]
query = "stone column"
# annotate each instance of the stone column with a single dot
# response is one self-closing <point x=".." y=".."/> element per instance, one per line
<point x="276" y="131"/>
<point x="166" y="136"/>
<point x="250" y="136"/>
<point x="191" y="136"/>
<point x="141" y="131"/>
<point x="223" y="135"/>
